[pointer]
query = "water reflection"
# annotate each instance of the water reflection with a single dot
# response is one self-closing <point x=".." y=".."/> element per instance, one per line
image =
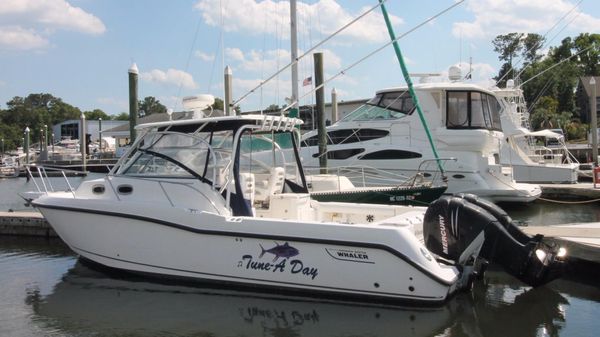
<point x="87" y="300"/>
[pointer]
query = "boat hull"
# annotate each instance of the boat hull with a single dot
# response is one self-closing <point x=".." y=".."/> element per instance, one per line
<point x="415" y="196"/>
<point x="258" y="253"/>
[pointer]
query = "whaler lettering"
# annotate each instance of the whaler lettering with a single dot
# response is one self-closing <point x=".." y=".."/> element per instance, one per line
<point x="352" y="255"/>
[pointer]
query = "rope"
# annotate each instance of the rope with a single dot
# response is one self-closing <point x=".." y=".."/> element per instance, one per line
<point x="569" y="202"/>
<point x="307" y="53"/>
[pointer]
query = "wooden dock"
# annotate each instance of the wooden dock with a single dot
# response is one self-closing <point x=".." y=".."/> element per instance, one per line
<point x="25" y="224"/>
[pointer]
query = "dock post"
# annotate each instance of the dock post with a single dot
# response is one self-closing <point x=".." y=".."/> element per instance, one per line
<point x="26" y="145"/>
<point x="594" y="122"/>
<point x="228" y="77"/>
<point x="334" y="106"/>
<point x="133" y="100"/>
<point x="82" y="142"/>
<point x="320" y="104"/>
<point x="100" y="134"/>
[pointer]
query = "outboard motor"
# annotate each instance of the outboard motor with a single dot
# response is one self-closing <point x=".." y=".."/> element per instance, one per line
<point x="462" y="227"/>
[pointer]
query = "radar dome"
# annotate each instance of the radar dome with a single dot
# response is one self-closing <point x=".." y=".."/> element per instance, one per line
<point x="454" y="73"/>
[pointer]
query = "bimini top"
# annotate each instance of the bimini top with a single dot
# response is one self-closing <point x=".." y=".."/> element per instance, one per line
<point x="266" y="123"/>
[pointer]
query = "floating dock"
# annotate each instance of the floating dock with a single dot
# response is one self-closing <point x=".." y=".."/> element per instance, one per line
<point x="562" y="192"/>
<point x="582" y="242"/>
<point x="25" y="224"/>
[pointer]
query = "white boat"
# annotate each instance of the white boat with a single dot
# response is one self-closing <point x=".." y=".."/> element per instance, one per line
<point x="532" y="156"/>
<point x="387" y="134"/>
<point x="9" y="166"/>
<point x="190" y="200"/>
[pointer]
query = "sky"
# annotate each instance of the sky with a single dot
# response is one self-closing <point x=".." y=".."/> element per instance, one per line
<point x="81" y="50"/>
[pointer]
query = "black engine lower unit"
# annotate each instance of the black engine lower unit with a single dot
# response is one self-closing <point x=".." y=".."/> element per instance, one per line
<point x="463" y="226"/>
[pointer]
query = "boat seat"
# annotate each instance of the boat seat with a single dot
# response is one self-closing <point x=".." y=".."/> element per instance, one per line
<point x="247" y="184"/>
<point x="274" y="185"/>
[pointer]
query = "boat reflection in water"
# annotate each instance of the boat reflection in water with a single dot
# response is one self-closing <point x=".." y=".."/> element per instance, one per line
<point x="88" y="301"/>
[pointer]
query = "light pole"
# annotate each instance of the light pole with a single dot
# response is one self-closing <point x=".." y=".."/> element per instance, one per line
<point x="100" y="134"/>
<point x="26" y="146"/>
<point x="3" y="147"/>
<point x="594" y="122"/>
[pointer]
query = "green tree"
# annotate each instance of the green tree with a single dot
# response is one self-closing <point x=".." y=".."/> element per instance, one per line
<point x="96" y="114"/>
<point x="35" y="111"/>
<point x="220" y="105"/>
<point x="123" y="116"/>
<point x="589" y="59"/>
<point x="151" y="105"/>
<point x="272" y="107"/>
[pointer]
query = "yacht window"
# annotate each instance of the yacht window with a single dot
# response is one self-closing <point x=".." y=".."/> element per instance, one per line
<point x="390" y="154"/>
<point x="495" y="108"/>
<point x="458" y="113"/>
<point x="348" y="136"/>
<point x="341" y="154"/>
<point x="472" y="110"/>
<point x="477" y="118"/>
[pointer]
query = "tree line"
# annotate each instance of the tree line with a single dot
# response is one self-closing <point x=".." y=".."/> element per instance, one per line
<point x="550" y="80"/>
<point x="37" y="110"/>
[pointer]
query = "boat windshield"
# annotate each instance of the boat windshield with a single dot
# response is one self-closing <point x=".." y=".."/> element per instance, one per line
<point x="388" y="105"/>
<point x="180" y="155"/>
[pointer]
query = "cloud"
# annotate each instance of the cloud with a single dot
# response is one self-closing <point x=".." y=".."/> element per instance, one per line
<point x="269" y="61"/>
<point x="493" y="17"/>
<point x="27" y="24"/>
<point x="18" y="38"/>
<point x="117" y="104"/>
<point x="204" y="56"/>
<point x="170" y="77"/>
<point x="323" y="17"/>
<point x="51" y="14"/>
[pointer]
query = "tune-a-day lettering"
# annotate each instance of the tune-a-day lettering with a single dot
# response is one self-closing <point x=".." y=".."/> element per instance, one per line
<point x="295" y="266"/>
<point x="284" y="251"/>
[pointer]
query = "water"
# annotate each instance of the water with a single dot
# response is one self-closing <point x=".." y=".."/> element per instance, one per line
<point x="46" y="291"/>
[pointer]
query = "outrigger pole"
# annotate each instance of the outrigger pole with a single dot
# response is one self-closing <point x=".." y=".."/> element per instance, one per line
<point x="410" y="85"/>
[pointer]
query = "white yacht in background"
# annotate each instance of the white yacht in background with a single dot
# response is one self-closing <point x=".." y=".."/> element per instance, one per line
<point x="532" y="156"/>
<point x="387" y="134"/>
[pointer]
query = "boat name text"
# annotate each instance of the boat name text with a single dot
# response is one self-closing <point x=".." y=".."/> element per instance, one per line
<point x="294" y="267"/>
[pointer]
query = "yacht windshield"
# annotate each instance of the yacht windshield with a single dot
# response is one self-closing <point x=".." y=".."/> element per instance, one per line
<point x="389" y="105"/>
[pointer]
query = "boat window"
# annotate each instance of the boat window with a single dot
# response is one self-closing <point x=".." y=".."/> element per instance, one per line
<point x="472" y="110"/>
<point x="390" y="154"/>
<point x="261" y="152"/>
<point x="170" y="154"/>
<point x="348" y="136"/>
<point x="341" y="154"/>
<point x="477" y="118"/>
<point x="458" y="114"/>
<point x="389" y="105"/>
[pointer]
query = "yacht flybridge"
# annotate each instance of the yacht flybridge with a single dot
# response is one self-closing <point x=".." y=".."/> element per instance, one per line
<point x="216" y="199"/>
<point x="387" y="134"/>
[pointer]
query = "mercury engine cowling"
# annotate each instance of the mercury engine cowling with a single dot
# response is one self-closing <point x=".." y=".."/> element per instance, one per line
<point x="461" y="227"/>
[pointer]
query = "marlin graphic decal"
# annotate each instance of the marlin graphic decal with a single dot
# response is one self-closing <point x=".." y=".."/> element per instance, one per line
<point x="284" y="251"/>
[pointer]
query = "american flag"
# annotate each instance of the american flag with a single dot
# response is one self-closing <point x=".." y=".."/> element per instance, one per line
<point x="307" y="81"/>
